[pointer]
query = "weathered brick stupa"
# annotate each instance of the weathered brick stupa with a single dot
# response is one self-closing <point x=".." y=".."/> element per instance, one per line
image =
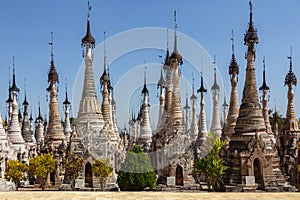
<point x="251" y="156"/>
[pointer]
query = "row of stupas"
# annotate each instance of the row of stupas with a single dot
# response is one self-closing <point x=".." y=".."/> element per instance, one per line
<point x="257" y="155"/>
<point x="93" y="134"/>
<point x="254" y="151"/>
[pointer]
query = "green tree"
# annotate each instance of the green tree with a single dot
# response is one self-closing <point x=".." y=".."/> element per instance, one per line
<point x="102" y="169"/>
<point x="73" y="166"/>
<point x="276" y="117"/>
<point x="40" y="166"/>
<point x="137" y="172"/>
<point x="15" y="171"/>
<point x="212" y="166"/>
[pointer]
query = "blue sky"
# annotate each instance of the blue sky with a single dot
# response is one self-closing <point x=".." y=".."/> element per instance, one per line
<point x="26" y="27"/>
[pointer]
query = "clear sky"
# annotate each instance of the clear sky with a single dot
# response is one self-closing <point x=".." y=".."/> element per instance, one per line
<point x="26" y="26"/>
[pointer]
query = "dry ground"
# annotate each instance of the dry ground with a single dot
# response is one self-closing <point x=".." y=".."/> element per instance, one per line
<point x="57" y="195"/>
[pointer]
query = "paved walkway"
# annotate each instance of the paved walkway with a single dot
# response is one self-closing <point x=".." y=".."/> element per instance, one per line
<point x="49" y="195"/>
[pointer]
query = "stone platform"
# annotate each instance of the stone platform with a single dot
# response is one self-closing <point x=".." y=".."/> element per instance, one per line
<point x="54" y="195"/>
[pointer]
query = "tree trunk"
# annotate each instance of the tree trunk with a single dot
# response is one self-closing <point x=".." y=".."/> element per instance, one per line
<point x="43" y="181"/>
<point x="72" y="182"/>
<point x="17" y="185"/>
<point x="101" y="184"/>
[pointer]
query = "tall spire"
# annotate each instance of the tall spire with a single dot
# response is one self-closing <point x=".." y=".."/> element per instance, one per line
<point x="202" y="120"/>
<point x="31" y="121"/>
<point x="161" y="82"/>
<point x="202" y="88"/>
<point x="233" y="67"/>
<point x="26" y="132"/>
<point x="176" y="55"/>
<point x="89" y="108"/>
<point x="174" y="106"/>
<point x="104" y="52"/>
<point x="9" y="101"/>
<point x="105" y="83"/>
<point x="66" y="102"/>
<point x="265" y="111"/>
<point x="224" y="105"/>
<point x="250" y="118"/>
<point x="215" y="85"/>
<point x="168" y="85"/>
<point x="88" y="40"/>
<point x="145" y="91"/>
<point x="233" y="104"/>
<point x="264" y="84"/>
<point x="187" y="108"/>
<point x="39" y="130"/>
<point x="39" y="115"/>
<point x="145" y="129"/>
<point x="67" y="124"/>
<point x="25" y="102"/>
<point x="167" y="59"/>
<point x="290" y="80"/>
<point x="14" y="85"/>
<point x="161" y="85"/>
<point x="104" y="77"/>
<point x="52" y="75"/>
<point x="14" y="129"/>
<point x="54" y="134"/>
<point x="215" y="121"/>
<point x="194" y="126"/>
<point x="251" y="35"/>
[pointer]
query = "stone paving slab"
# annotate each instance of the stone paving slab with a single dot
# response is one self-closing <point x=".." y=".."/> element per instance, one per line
<point x="54" y="195"/>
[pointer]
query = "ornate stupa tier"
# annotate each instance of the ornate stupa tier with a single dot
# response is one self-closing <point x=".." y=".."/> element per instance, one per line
<point x="176" y="106"/>
<point x="89" y="120"/>
<point x="168" y="91"/>
<point x="14" y="130"/>
<point x="145" y="136"/>
<point x="26" y="132"/>
<point x="54" y="132"/>
<point x="176" y="60"/>
<point x="250" y="116"/>
<point x="105" y="84"/>
<point x="89" y="109"/>
<point x="105" y="104"/>
<point x="39" y="129"/>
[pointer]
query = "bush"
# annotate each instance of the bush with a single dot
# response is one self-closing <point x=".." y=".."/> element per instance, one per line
<point x="73" y="165"/>
<point x="14" y="171"/>
<point x="41" y="166"/>
<point x="102" y="169"/>
<point x="137" y="172"/>
<point x="212" y="166"/>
